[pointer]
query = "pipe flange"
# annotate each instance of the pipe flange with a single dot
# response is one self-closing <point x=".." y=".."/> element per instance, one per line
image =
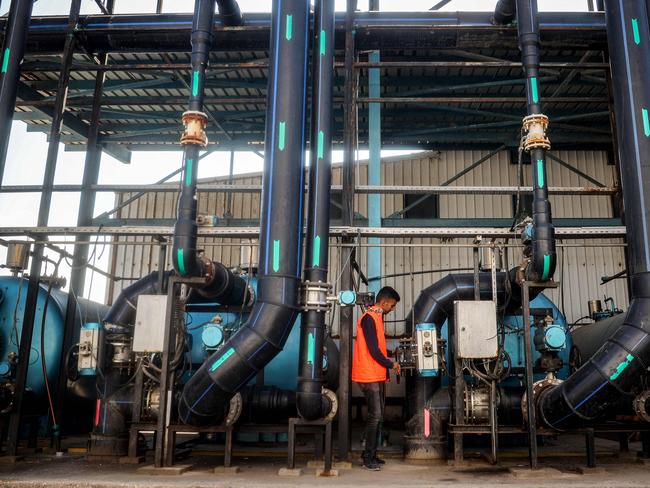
<point x="195" y="123"/>
<point x="331" y="397"/>
<point x="538" y="388"/>
<point x="639" y="405"/>
<point x="314" y="296"/>
<point x="234" y="409"/>
<point x="535" y="125"/>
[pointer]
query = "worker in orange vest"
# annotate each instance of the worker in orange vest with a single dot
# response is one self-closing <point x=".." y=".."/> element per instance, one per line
<point x="371" y="366"/>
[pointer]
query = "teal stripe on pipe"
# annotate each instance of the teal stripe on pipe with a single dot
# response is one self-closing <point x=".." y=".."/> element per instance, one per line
<point x="276" y="256"/>
<point x="281" y="135"/>
<point x="5" y="60"/>
<point x="547" y="267"/>
<point x="323" y="42"/>
<point x="311" y="350"/>
<point x="180" y="257"/>
<point x="289" y="31"/>
<point x="222" y="359"/>
<point x="195" y="84"/>
<point x="540" y="173"/>
<point x="646" y="122"/>
<point x="533" y="89"/>
<point x="635" y="31"/>
<point x="316" y="260"/>
<point x="188" y="172"/>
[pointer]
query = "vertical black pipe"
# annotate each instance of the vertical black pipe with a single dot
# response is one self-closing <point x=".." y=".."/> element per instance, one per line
<point x="43" y="217"/>
<point x="543" y="258"/>
<point x="614" y="370"/>
<point x="184" y="254"/>
<point x="346" y="313"/>
<point x="312" y="328"/>
<point x="13" y="50"/>
<point x="205" y="396"/>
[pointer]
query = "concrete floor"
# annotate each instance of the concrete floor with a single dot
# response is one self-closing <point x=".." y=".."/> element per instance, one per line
<point x="560" y="462"/>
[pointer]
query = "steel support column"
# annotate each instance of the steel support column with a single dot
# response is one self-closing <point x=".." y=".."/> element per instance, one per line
<point x="43" y="217"/>
<point x="13" y="50"/>
<point x="374" y="169"/>
<point x="346" y="315"/>
<point x="84" y="217"/>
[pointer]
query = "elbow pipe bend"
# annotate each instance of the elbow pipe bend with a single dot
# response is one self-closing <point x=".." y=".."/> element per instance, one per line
<point x="122" y="312"/>
<point x="504" y="12"/>
<point x="229" y="13"/>
<point x="205" y="397"/>
<point x="611" y="373"/>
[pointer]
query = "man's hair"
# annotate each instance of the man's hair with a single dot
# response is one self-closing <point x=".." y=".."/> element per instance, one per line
<point x="387" y="293"/>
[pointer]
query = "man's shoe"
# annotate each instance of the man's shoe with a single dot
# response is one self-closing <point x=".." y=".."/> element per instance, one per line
<point x="371" y="465"/>
<point x="379" y="461"/>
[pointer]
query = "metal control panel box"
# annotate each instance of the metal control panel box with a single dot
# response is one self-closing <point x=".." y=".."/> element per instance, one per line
<point x="150" y="323"/>
<point x="475" y="329"/>
<point x="427" y="349"/>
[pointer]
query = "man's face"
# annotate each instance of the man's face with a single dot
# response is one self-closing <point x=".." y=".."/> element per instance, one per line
<point x="387" y="305"/>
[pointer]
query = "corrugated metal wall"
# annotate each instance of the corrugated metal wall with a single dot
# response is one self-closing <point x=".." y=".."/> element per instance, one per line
<point x="579" y="268"/>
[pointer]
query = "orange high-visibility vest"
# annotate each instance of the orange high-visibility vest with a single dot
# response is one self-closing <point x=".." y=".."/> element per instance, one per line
<point x="364" y="368"/>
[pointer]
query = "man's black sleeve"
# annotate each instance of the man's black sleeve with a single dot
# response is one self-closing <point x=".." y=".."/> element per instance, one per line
<point x="370" y="334"/>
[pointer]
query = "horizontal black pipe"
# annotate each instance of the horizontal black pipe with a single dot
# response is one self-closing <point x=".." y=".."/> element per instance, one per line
<point x="385" y="30"/>
<point x="206" y="395"/>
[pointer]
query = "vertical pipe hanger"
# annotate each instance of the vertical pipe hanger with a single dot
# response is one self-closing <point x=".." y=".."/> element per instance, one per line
<point x="11" y="57"/>
<point x="310" y="401"/>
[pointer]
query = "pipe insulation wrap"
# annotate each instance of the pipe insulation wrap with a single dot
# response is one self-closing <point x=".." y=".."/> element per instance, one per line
<point x="615" y="368"/>
<point x="311" y="403"/>
<point x="206" y="395"/>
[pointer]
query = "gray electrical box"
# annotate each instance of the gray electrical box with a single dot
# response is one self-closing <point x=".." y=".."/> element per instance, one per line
<point x="148" y="335"/>
<point x="475" y="329"/>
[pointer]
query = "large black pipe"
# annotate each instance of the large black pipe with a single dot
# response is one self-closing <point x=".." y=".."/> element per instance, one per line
<point x="435" y="305"/>
<point x="504" y="12"/>
<point x="206" y="395"/>
<point x="122" y="312"/>
<point x="229" y="13"/>
<point x="543" y="257"/>
<point x="614" y="370"/>
<point x="375" y="30"/>
<point x="11" y="56"/>
<point x="310" y="402"/>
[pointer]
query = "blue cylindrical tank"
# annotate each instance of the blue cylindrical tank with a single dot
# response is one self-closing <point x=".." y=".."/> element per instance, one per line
<point x="514" y="338"/>
<point x="13" y="293"/>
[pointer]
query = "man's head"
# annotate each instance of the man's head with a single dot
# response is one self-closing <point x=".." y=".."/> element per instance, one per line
<point x="386" y="299"/>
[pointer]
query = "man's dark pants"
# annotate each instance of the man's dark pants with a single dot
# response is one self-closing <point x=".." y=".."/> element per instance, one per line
<point x="375" y="394"/>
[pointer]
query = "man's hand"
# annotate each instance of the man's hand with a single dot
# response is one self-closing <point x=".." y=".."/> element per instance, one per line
<point x="396" y="367"/>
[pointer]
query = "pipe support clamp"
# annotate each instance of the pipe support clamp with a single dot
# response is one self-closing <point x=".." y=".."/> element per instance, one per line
<point x="315" y="296"/>
<point x="195" y="123"/>
<point x="535" y="126"/>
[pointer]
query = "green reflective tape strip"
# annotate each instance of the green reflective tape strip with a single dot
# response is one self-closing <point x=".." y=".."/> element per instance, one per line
<point x="180" y="257"/>
<point x="321" y="143"/>
<point x="222" y="359"/>
<point x="5" y="61"/>
<point x="282" y="133"/>
<point x="323" y="42"/>
<point x="547" y="267"/>
<point x="646" y="122"/>
<point x="289" y="30"/>
<point x="316" y="261"/>
<point x="195" y="84"/>
<point x="635" y="31"/>
<point x="310" y="348"/>
<point x="188" y="172"/>
<point x="621" y="367"/>
<point x="276" y="256"/>
<point x="533" y="89"/>
<point x="540" y="173"/>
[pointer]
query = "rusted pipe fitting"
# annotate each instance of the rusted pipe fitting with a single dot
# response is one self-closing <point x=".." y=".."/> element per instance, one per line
<point x="195" y="123"/>
<point x="535" y="127"/>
